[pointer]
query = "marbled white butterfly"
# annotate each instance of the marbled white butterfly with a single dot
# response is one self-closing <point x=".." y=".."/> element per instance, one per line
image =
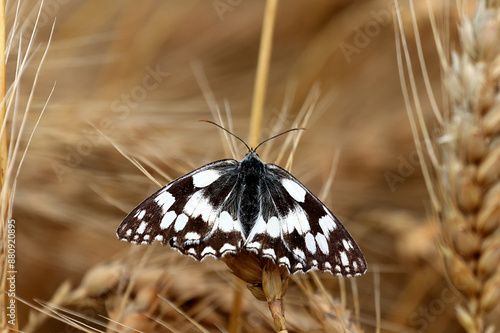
<point x="228" y="206"/>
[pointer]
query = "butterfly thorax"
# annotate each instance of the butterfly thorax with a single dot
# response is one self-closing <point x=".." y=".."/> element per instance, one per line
<point x="250" y="176"/>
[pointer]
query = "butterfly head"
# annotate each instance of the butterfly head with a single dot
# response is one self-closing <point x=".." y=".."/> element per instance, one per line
<point x="252" y="164"/>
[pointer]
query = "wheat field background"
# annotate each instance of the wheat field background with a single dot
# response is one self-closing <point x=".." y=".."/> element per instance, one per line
<point x="132" y="79"/>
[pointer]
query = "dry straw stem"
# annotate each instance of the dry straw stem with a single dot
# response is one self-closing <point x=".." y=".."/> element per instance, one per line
<point x="467" y="177"/>
<point x="262" y="72"/>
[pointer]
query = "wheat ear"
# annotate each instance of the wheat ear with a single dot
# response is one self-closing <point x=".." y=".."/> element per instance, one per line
<point x="468" y="175"/>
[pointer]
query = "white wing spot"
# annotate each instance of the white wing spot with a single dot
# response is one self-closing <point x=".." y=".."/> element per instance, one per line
<point x="322" y="243"/>
<point x="303" y="221"/>
<point x="180" y="222"/>
<point x="310" y="243"/>
<point x="198" y="205"/>
<point x="355" y="265"/>
<point x="192" y="236"/>
<point x="191" y="204"/>
<point x="205" y="178"/>
<point x="269" y="252"/>
<point x="214" y="215"/>
<point x="273" y="227"/>
<point x="227" y="247"/>
<point x="331" y="216"/>
<point x="167" y="220"/>
<point x="327" y="224"/>
<point x="129" y="232"/>
<point x="254" y="245"/>
<point x="159" y="238"/>
<point x="337" y="268"/>
<point x="296" y="219"/>
<point x="294" y="189"/>
<point x="344" y="259"/>
<point x="147" y="237"/>
<point x="140" y="214"/>
<point x="327" y="265"/>
<point x="226" y="222"/>
<point x="346" y="244"/>
<point x="208" y="250"/>
<point x="142" y="227"/>
<point x="136" y="237"/>
<point x="284" y="260"/>
<point x="259" y="227"/>
<point x="192" y="251"/>
<point x="299" y="253"/>
<point x="165" y="200"/>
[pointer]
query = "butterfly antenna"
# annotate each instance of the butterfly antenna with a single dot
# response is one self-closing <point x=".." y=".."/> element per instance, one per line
<point x="219" y="126"/>
<point x="273" y="137"/>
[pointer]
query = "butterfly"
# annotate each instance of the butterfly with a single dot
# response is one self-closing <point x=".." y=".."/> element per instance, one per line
<point x="228" y="206"/>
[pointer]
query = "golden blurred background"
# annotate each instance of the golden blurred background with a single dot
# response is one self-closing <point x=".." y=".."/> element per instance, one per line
<point x="136" y="76"/>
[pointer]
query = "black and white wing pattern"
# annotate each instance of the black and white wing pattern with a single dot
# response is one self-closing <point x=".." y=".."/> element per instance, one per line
<point x="186" y="214"/>
<point x="227" y="206"/>
<point x="297" y="230"/>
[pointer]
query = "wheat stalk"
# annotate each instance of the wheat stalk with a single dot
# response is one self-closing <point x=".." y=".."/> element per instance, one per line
<point x="262" y="72"/>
